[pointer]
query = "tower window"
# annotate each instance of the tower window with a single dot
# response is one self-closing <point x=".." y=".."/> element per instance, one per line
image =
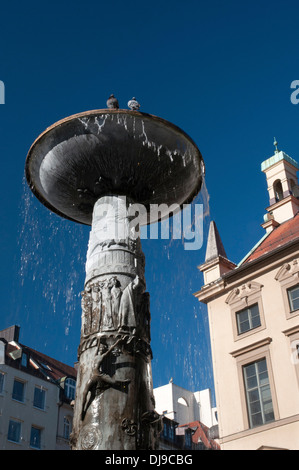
<point x="277" y="186"/>
<point x="294" y="188"/>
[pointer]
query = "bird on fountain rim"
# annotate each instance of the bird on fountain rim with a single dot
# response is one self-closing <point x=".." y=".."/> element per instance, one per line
<point x="112" y="102"/>
<point x="133" y="104"/>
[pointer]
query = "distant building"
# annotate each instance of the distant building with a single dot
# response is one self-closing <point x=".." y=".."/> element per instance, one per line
<point x="36" y="393"/>
<point x="36" y="404"/>
<point x="253" y="312"/>
<point x="189" y="420"/>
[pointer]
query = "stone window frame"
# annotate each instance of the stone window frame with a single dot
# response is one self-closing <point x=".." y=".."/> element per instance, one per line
<point x="243" y="297"/>
<point x="288" y="276"/>
<point x="293" y="335"/>
<point x="248" y="355"/>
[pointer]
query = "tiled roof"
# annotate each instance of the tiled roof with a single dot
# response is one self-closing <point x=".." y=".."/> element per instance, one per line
<point x="201" y="433"/>
<point x="58" y="369"/>
<point x="280" y="236"/>
<point x="38" y="363"/>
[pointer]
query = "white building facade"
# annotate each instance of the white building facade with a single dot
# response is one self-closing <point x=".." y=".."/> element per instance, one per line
<point x="184" y="406"/>
<point x="35" y="400"/>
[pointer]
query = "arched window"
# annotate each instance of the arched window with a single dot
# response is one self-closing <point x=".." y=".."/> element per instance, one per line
<point x="294" y="188"/>
<point x="277" y="186"/>
<point x="183" y="401"/>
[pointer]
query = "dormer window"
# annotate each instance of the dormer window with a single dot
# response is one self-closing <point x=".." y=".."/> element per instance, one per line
<point x="24" y="360"/>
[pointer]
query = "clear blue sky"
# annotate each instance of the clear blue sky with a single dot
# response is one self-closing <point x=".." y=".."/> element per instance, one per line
<point x="220" y="70"/>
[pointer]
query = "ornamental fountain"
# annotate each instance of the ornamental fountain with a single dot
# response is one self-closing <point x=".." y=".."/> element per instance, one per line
<point x="99" y="168"/>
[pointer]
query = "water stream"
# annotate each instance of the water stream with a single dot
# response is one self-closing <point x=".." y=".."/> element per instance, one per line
<point x="50" y="272"/>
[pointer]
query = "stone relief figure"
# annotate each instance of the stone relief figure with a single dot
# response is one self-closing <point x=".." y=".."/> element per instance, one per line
<point x="107" y="320"/>
<point x="116" y="294"/>
<point x="96" y="307"/>
<point x="91" y="309"/>
<point x="100" y="379"/>
<point x="106" y="307"/>
<point x="86" y="304"/>
<point x="128" y="304"/>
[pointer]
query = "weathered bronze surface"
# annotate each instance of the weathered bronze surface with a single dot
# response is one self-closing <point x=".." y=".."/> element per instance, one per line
<point x="80" y="165"/>
<point x="89" y="155"/>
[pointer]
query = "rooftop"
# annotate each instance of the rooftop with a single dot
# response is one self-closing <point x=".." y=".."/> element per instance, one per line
<point x="38" y="364"/>
<point x="280" y="236"/>
<point x="277" y="157"/>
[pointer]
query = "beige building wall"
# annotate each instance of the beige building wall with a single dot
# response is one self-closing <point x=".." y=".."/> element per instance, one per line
<point x="275" y="340"/>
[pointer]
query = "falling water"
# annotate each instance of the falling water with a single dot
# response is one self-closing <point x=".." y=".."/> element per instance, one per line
<point x="50" y="263"/>
<point x="50" y="276"/>
<point x="180" y="331"/>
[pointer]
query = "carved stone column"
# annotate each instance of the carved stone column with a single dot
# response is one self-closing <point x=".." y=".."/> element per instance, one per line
<point x="114" y="405"/>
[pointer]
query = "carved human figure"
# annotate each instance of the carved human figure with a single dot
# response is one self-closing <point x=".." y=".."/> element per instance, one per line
<point x="107" y="321"/>
<point x="96" y="307"/>
<point x="116" y="294"/>
<point x="86" y="304"/>
<point x="127" y="307"/>
<point x="100" y="379"/>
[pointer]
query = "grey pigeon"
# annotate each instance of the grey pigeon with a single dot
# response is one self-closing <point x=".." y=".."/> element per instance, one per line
<point x="133" y="104"/>
<point x="112" y="102"/>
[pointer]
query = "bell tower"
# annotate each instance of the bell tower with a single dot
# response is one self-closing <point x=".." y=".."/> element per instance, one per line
<point x="282" y="182"/>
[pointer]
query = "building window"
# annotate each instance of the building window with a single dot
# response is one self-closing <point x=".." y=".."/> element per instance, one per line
<point x="293" y="295"/>
<point x="66" y="427"/>
<point x="70" y="388"/>
<point x="35" y="437"/>
<point x="39" y="398"/>
<point x="248" y="319"/>
<point x="18" y="392"/>
<point x="1" y="382"/>
<point x="258" y="393"/>
<point x="188" y="439"/>
<point x="278" y="191"/>
<point x="246" y="308"/>
<point x="14" y="431"/>
<point x="183" y="401"/>
<point x="293" y="335"/>
<point x="168" y="430"/>
<point x="24" y="360"/>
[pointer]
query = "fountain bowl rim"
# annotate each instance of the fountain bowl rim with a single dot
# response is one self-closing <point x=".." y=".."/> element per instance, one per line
<point x="94" y="112"/>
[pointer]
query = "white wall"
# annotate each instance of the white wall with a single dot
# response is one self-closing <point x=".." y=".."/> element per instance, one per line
<point x="184" y="406"/>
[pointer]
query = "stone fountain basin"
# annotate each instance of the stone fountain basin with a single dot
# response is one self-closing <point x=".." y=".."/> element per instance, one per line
<point x="113" y="152"/>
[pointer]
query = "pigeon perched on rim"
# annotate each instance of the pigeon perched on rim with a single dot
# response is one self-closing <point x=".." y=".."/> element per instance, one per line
<point x="133" y="104"/>
<point x="112" y="102"/>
